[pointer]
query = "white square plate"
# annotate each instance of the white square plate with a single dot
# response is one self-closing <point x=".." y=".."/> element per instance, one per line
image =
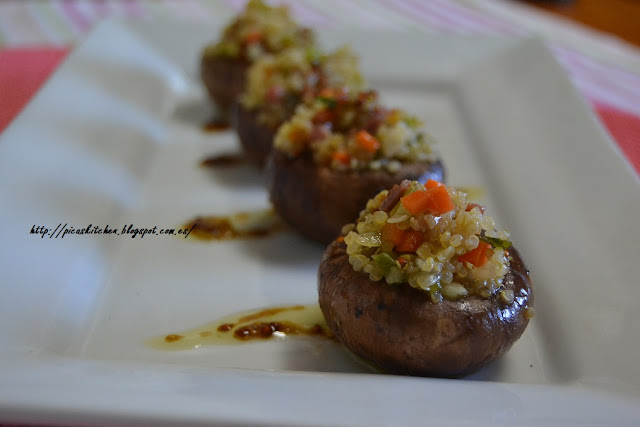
<point x="114" y="138"/>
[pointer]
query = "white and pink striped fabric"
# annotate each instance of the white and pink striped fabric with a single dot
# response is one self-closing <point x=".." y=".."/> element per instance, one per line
<point x="605" y="71"/>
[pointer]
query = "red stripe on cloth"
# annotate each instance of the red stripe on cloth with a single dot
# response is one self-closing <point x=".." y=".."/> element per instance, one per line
<point x="133" y="8"/>
<point x="625" y="130"/>
<point x="70" y="8"/>
<point x="22" y="72"/>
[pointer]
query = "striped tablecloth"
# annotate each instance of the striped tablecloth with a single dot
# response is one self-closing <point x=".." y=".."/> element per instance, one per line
<point x="36" y="35"/>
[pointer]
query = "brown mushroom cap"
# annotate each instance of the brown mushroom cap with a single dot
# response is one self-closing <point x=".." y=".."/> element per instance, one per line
<point x="399" y="329"/>
<point x="224" y="79"/>
<point x="255" y="137"/>
<point x="318" y="201"/>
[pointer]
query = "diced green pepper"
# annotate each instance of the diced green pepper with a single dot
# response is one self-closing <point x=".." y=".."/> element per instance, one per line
<point x="314" y="55"/>
<point x="412" y="122"/>
<point x="384" y="261"/>
<point x="495" y="242"/>
<point x="329" y="102"/>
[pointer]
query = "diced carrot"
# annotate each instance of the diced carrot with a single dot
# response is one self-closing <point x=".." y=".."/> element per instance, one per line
<point x="435" y="200"/>
<point x="432" y="183"/>
<point x="403" y="240"/>
<point x="416" y="202"/>
<point x="391" y="233"/>
<point x="253" y="36"/>
<point x="440" y="200"/>
<point x="367" y="141"/>
<point x="341" y="156"/>
<point x="479" y="256"/>
<point x="340" y="239"/>
<point x="327" y="92"/>
<point x="412" y="240"/>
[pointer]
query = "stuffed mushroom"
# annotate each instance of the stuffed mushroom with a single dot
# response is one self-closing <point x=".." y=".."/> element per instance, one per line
<point x="424" y="284"/>
<point x="277" y="83"/>
<point x="336" y="153"/>
<point x="259" y="30"/>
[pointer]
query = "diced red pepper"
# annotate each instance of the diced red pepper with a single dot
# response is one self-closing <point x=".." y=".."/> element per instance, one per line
<point x="470" y="206"/>
<point x="341" y="156"/>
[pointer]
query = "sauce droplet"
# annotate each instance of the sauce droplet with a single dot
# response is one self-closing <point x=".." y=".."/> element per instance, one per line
<point x="225" y="327"/>
<point x="261" y="324"/>
<point x="223" y="160"/>
<point x="173" y="338"/>
<point x="216" y="124"/>
<point x="239" y="225"/>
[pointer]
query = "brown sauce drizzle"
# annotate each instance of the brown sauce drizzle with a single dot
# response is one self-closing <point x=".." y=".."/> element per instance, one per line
<point x="216" y="124"/>
<point x="268" y="329"/>
<point x="173" y="337"/>
<point x="223" y="160"/>
<point x="225" y="327"/>
<point x="268" y="312"/>
<point x="261" y="324"/>
<point x="259" y="223"/>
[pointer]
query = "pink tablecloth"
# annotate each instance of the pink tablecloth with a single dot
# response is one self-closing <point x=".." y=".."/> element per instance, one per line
<point x="22" y="72"/>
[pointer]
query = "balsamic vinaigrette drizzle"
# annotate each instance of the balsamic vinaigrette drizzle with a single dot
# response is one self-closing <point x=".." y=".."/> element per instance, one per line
<point x="258" y="223"/>
<point x="257" y="325"/>
<point x="216" y="124"/>
<point x="226" y="160"/>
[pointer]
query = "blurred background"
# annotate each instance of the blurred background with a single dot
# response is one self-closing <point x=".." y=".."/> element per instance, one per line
<point x="596" y="41"/>
<point x="617" y="17"/>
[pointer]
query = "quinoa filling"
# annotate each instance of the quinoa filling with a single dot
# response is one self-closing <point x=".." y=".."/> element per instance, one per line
<point x="352" y="131"/>
<point x="432" y="238"/>
<point x="277" y="83"/>
<point x="260" y="29"/>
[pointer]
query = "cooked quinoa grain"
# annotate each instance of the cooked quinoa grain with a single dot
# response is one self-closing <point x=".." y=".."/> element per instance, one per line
<point x="432" y="238"/>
